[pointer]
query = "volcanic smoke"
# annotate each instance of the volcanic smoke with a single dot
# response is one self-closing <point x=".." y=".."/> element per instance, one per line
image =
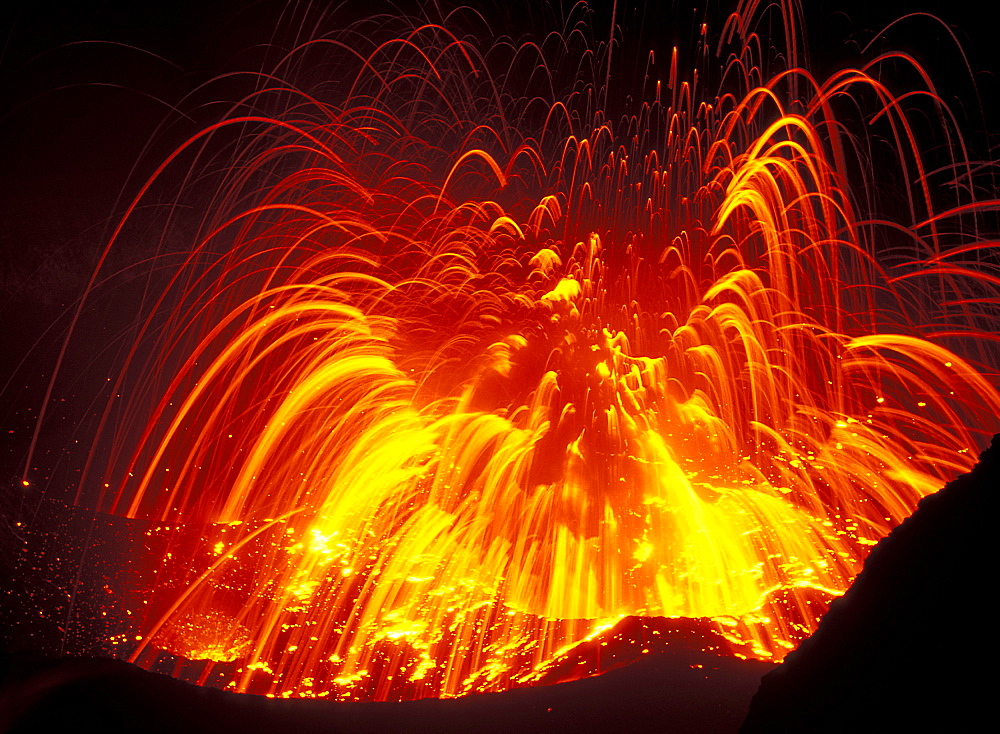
<point x="470" y="359"/>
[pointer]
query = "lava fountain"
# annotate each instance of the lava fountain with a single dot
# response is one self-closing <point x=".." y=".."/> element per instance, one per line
<point x="462" y="368"/>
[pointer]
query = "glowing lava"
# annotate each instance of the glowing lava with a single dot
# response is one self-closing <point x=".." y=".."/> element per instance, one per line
<point x="459" y="377"/>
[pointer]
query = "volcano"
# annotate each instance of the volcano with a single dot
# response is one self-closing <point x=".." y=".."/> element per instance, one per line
<point x="422" y="362"/>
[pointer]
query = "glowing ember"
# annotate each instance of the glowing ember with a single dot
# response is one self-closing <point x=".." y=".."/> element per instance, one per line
<point x="463" y="376"/>
<point x="205" y="636"/>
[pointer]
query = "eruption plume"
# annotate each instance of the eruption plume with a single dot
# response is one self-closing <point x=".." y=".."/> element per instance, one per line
<point x="470" y="359"/>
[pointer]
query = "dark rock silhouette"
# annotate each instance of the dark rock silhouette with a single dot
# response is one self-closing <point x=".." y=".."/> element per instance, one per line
<point x="660" y="693"/>
<point x="912" y="645"/>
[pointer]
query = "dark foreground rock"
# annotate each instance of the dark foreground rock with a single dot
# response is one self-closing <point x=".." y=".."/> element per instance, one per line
<point x="912" y="646"/>
<point x="663" y="693"/>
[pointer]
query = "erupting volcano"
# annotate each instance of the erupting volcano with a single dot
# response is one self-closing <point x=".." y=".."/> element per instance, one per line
<point x="472" y="355"/>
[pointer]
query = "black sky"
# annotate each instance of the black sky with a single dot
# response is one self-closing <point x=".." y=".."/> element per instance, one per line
<point x="84" y="87"/>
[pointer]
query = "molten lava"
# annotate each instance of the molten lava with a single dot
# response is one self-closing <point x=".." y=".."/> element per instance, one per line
<point x="457" y="378"/>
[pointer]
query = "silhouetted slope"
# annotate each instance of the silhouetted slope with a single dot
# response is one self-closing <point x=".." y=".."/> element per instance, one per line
<point x="912" y="645"/>
<point x="682" y="690"/>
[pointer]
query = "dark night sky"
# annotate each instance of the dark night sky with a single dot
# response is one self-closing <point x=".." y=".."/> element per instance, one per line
<point x="85" y="85"/>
